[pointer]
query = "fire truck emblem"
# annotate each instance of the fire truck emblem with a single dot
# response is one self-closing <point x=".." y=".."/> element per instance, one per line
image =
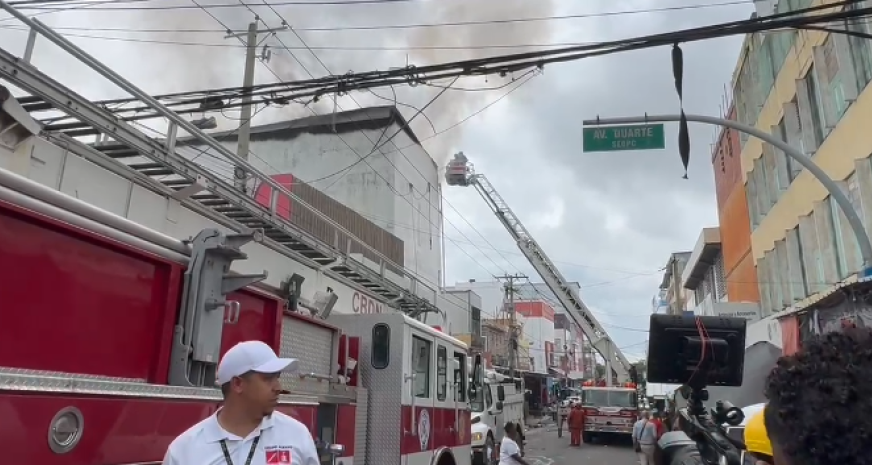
<point x="424" y="428"/>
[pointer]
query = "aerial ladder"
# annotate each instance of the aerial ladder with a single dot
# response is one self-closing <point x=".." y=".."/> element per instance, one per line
<point x="460" y="172"/>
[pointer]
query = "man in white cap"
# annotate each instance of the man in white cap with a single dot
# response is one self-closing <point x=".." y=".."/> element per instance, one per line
<point x="246" y="430"/>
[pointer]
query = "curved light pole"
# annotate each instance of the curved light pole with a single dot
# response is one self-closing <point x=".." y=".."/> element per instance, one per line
<point x="838" y="196"/>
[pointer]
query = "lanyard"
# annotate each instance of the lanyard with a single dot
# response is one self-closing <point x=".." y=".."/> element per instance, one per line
<point x="250" y="453"/>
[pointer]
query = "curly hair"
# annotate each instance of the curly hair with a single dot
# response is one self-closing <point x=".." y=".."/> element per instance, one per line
<point x="819" y="401"/>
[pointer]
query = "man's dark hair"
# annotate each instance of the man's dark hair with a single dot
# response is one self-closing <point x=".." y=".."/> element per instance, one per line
<point x="510" y="427"/>
<point x="225" y="388"/>
<point x="817" y="412"/>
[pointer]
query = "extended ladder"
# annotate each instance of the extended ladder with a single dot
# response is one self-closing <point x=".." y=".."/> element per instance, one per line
<point x="460" y="173"/>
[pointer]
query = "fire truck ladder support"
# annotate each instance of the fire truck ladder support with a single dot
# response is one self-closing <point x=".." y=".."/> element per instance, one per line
<point x="205" y="309"/>
<point x="463" y="176"/>
<point x="192" y="182"/>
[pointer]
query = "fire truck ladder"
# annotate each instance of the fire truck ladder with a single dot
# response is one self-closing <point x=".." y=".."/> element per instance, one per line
<point x="121" y="149"/>
<point x="460" y="173"/>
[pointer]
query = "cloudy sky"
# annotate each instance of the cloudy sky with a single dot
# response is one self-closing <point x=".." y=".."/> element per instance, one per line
<point x="610" y="221"/>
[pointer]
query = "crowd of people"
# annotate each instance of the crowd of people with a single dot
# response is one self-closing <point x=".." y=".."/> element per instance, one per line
<point x="818" y="412"/>
<point x="819" y="405"/>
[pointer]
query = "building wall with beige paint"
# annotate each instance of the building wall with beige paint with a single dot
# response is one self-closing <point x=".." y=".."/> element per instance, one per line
<point x="810" y="89"/>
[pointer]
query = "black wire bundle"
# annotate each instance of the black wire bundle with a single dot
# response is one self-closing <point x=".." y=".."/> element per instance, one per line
<point x="316" y="88"/>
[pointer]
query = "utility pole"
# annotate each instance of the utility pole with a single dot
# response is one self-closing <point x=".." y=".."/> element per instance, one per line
<point x="244" y="131"/>
<point x="513" y="334"/>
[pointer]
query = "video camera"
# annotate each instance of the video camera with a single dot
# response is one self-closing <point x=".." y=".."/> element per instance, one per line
<point x="696" y="352"/>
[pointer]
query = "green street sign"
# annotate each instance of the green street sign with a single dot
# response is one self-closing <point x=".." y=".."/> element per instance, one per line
<point x="631" y="137"/>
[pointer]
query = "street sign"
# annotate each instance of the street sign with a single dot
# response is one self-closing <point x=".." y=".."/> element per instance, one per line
<point x="631" y="137"/>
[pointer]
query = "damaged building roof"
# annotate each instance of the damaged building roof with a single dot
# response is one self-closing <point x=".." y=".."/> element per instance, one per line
<point x="333" y="123"/>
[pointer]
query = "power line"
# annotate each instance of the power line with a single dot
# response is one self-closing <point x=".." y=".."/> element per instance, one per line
<point x="385" y="27"/>
<point x="28" y="4"/>
<point x="376" y="145"/>
<point x="698" y="38"/>
<point x="507" y="64"/>
<point x="338" y="48"/>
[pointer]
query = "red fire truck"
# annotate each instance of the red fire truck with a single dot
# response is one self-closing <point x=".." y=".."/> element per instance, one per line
<point x="111" y="333"/>
<point x="608" y="409"/>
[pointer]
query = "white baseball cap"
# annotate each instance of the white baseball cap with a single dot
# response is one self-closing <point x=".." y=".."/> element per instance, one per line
<point x="252" y="356"/>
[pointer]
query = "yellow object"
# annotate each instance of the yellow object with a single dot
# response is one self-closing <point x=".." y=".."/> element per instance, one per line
<point x="756" y="436"/>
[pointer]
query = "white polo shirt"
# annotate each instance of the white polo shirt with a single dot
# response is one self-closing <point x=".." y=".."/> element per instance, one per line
<point x="283" y="441"/>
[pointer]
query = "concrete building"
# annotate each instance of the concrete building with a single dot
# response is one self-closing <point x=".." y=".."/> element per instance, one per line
<point x="463" y="316"/>
<point x="393" y="184"/>
<point x="539" y="328"/>
<point x="676" y="295"/>
<point x="659" y="304"/>
<point x="811" y="89"/>
<point x="705" y="279"/>
<point x="576" y="339"/>
<point x="569" y="348"/>
<point x="496" y="333"/>
<point x="491" y="293"/>
<point x="739" y="270"/>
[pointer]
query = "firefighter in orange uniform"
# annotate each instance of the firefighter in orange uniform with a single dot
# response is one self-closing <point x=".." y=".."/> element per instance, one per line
<point x="576" y="424"/>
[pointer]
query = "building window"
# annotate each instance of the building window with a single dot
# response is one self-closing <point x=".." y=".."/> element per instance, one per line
<point x="856" y="197"/>
<point x="811" y="253"/>
<point x="798" y="279"/>
<point x="761" y="181"/>
<point x="793" y="167"/>
<point x="834" y="80"/>
<point x="763" y="285"/>
<point x="751" y="197"/>
<point x="815" y="101"/>
<point x="773" y="162"/>
<point x="841" y="250"/>
<point x="475" y="317"/>
<point x="775" y="295"/>
<point x="421" y="364"/>
<point x="796" y="109"/>
<point x="861" y="52"/>
<point x="746" y="106"/>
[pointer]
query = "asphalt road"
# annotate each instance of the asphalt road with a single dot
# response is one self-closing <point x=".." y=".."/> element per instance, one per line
<point x="545" y="448"/>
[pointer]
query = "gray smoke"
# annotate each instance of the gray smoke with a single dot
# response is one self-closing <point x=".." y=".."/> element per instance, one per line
<point x="196" y="67"/>
<point x="177" y="65"/>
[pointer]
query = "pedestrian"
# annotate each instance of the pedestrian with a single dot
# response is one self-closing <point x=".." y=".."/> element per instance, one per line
<point x="576" y="424"/>
<point x="510" y="452"/>
<point x="818" y="409"/>
<point x="247" y="429"/>
<point x="645" y="439"/>
<point x="757" y="443"/>
<point x="658" y="423"/>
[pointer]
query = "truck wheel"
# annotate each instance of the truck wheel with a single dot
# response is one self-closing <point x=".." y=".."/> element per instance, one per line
<point x="586" y="437"/>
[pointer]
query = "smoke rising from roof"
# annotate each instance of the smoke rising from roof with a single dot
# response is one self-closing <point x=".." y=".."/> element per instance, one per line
<point x="178" y="63"/>
<point x="215" y="67"/>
